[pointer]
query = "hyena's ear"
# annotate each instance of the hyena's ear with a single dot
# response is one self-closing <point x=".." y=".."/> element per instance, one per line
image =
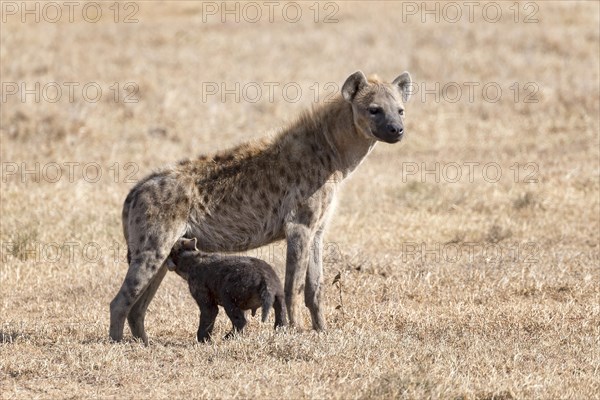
<point x="403" y="83"/>
<point x="353" y="84"/>
<point x="190" y="244"/>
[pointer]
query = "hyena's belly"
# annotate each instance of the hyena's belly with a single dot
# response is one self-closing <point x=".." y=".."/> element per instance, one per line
<point x="236" y="231"/>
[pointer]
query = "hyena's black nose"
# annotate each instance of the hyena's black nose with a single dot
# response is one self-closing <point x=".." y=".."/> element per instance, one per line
<point x="395" y="129"/>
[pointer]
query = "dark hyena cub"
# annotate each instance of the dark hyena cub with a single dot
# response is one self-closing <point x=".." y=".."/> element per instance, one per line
<point x="236" y="283"/>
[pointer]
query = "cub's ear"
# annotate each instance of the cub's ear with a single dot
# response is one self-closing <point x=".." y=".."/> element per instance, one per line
<point x="353" y="84"/>
<point x="403" y="83"/>
<point x="189" y="244"/>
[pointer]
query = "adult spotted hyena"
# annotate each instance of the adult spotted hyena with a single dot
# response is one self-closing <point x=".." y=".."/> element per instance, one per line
<point x="282" y="187"/>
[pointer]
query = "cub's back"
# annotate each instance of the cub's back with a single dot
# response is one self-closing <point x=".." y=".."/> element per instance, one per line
<point x="235" y="273"/>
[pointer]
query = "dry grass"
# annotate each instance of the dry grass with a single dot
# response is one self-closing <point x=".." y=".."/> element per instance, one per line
<point x="410" y="325"/>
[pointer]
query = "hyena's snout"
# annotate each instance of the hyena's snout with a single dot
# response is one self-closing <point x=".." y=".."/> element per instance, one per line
<point x="385" y="127"/>
<point x="389" y="131"/>
<point x="395" y="131"/>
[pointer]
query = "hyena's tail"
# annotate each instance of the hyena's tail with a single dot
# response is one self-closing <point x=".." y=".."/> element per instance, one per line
<point x="125" y="220"/>
<point x="280" y="311"/>
<point x="267" y="301"/>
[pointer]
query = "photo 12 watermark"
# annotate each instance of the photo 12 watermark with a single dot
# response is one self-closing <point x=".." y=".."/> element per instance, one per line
<point x="468" y="172"/>
<point x="474" y="92"/>
<point x="271" y="92"/>
<point x="470" y="252"/>
<point x="252" y="12"/>
<point x="452" y="12"/>
<point x="70" y="92"/>
<point x="68" y="171"/>
<point x="53" y="12"/>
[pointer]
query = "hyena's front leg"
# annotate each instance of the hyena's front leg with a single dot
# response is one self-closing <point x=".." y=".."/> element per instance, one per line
<point x="298" y="243"/>
<point x="314" y="281"/>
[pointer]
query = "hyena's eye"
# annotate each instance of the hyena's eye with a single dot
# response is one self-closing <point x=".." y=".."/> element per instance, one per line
<point x="401" y="111"/>
<point x="374" y="110"/>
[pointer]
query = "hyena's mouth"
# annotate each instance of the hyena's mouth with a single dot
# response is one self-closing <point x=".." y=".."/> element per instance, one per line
<point x="396" y="139"/>
<point x="389" y="138"/>
<point x="170" y="264"/>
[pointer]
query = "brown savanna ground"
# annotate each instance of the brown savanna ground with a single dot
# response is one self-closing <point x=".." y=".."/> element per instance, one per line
<point x="474" y="286"/>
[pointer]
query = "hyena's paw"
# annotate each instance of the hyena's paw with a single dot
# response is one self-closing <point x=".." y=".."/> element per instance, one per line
<point x="204" y="339"/>
<point x="233" y="334"/>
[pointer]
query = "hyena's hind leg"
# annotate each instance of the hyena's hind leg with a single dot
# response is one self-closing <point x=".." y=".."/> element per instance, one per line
<point x="137" y="313"/>
<point x="146" y="271"/>
<point x="237" y="317"/>
<point x="142" y="271"/>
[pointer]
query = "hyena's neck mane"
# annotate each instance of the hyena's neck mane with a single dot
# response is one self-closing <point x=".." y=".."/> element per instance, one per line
<point x="329" y="127"/>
